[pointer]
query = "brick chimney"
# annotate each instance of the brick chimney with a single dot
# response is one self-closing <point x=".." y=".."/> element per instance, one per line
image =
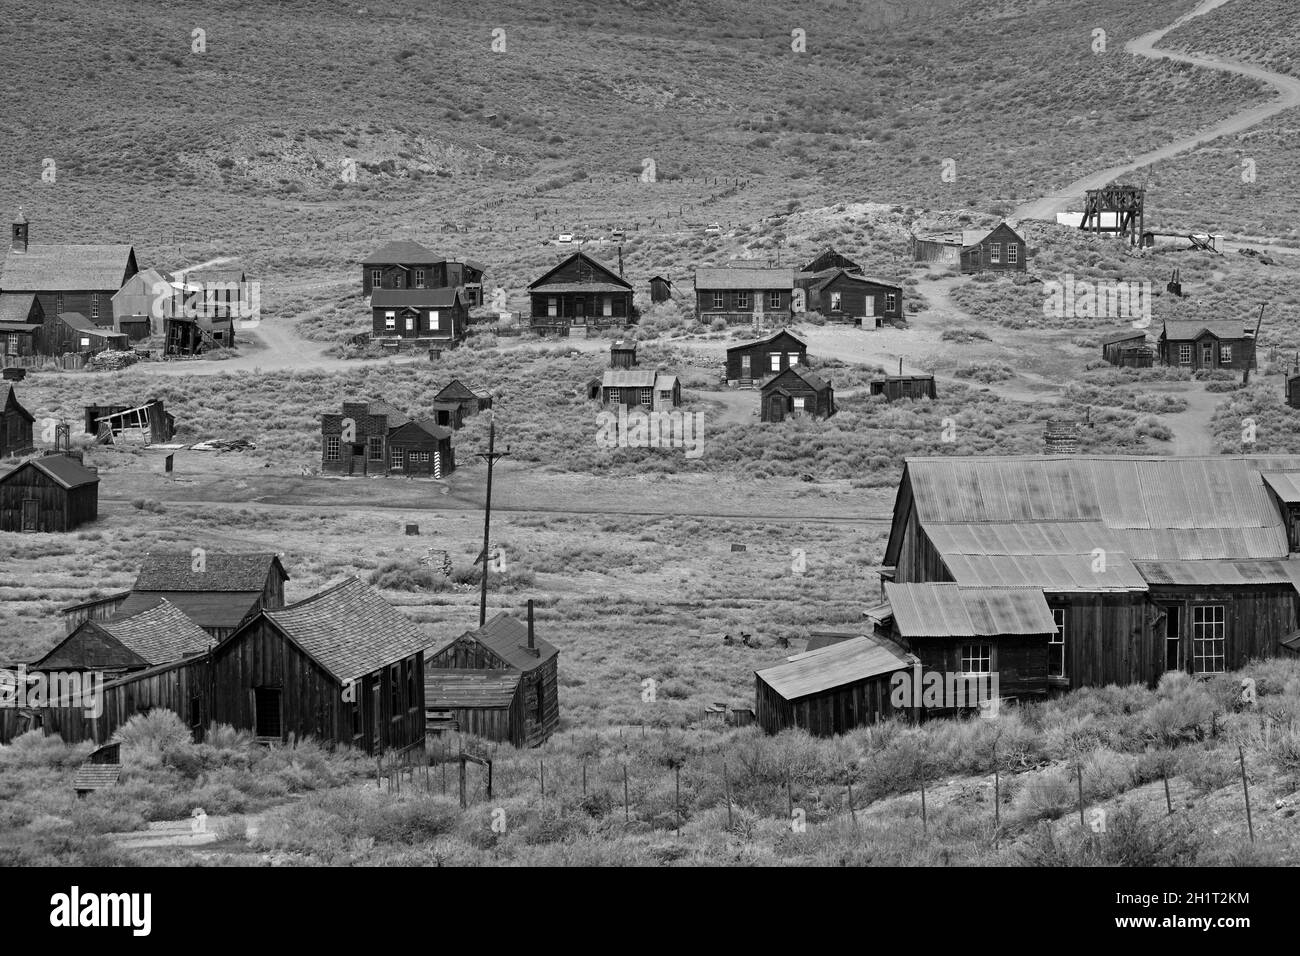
<point x="18" y="242"/>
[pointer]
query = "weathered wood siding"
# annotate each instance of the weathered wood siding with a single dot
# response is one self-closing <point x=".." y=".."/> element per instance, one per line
<point x="58" y="509"/>
<point x="835" y="711"/>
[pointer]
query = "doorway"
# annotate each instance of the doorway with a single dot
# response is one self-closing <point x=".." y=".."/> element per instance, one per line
<point x="31" y="514"/>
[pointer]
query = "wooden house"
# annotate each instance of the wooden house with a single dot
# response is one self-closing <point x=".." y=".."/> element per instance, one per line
<point x="844" y="296"/>
<point x="830" y="690"/>
<point x="622" y="353"/>
<point x="432" y="316"/>
<point x="148" y="424"/>
<point x="404" y="264"/>
<point x="22" y="324"/>
<point x="73" y="332"/>
<point x="654" y="391"/>
<point x="499" y="682"/>
<point x="15" y="424"/>
<point x="1197" y="344"/>
<point x="581" y="291"/>
<point x="157" y="634"/>
<point x="1146" y="565"/>
<point x="744" y="295"/>
<point x="795" y="393"/>
<point x="827" y="261"/>
<point x="380" y="440"/>
<point x="55" y="493"/>
<point x="661" y="289"/>
<point x="455" y="402"/>
<point x="755" y="361"/>
<point x="143" y="302"/>
<point x="1126" y="347"/>
<point x="66" y="278"/>
<point x="343" y="666"/>
<point x="895" y="387"/>
<point x="1001" y="249"/>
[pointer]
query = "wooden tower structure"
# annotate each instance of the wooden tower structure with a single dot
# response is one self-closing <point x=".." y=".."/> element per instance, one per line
<point x="1117" y="210"/>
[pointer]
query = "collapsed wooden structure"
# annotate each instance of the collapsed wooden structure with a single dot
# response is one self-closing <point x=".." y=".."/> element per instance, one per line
<point x="147" y="424"/>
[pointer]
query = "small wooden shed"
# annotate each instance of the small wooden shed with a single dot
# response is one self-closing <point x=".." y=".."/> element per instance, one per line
<point x="622" y="353"/>
<point x="797" y="392"/>
<point x="55" y="493"/>
<point x="661" y="289"/>
<point x="15" y="424"/>
<point x="894" y="387"/>
<point x="1114" y="345"/>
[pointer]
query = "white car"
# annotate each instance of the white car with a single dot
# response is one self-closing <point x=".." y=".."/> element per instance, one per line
<point x="564" y="238"/>
<point x="713" y="229"/>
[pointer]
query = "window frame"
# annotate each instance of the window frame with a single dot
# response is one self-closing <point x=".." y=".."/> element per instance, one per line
<point x="774" y="299"/>
<point x="376" y="278"/>
<point x="891" y="301"/>
<point x="1013" y="253"/>
<point x="1203" y="617"/>
<point x="375" y="448"/>
<point x="774" y="361"/>
<point x="719" y="301"/>
<point x="1225" y="354"/>
<point x="333" y="447"/>
<point x="1185" y="353"/>
<point x="995" y="253"/>
<point x="983" y="655"/>
<point x="396" y="457"/>
<point x="1057" y="640"/>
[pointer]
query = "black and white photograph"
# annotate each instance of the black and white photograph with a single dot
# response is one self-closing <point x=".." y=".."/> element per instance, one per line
<point x="662" y="435"/>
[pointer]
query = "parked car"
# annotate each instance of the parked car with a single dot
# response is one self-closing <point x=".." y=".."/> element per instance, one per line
<point x="618" y="235"/>
<point x="564" y="238"/>
<point x="713" y="229"/>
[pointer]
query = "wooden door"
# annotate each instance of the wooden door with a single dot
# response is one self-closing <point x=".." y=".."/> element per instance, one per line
<point x="31" y="514"/>
<point x="776" y="409"/>
<point x="579" y="312"/>
<point x="745" y="371"/>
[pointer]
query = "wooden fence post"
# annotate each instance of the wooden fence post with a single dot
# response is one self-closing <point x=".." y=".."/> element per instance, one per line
<point x="626" y="817"/>
<point x="726" y="789"/>
<point x="1078" y="772"/>
<point x="677" y="801"/>
<point x="925" y="820"/>
<point x="853" y="811"/>
<point x="1169" y="804"/>
<point x="1245" y="790"/>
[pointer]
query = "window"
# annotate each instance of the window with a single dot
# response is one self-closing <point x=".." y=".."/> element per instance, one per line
<point x="976" y="658"/>
<point x="614" y="396"/>
<point x="331" y="449"/>
<point x="742" y="301"/>
<point x="435" y="320"/>
<point x="85" y="341"/>
<point x="891" y="301"/>
<point x="266" y="711"/>
<point x="376" y="448"/>
<point x="394" y="693"/>
<point x="995" y="252"/>
<point x="1207" y="353"/>
<point x="1013" y="253"/>
<point x="390" y="321"/>
<point x="1173" y="635"/>
<point x="1056" y="645"/>
<point x="774" y="300"/>
<point x="552" y="306"/>
<point x="94" y="305"/>
<point x="410" y="323"/>
<point x="376" y="278"/>
<point x="397" y="280"/>
<point x="607" y="306"/>
<point x="1184" y="355"/>
<point x="646" y="396"/>
<point x="775" y="361"/>
<point x="1207" y="639"/>
<point x="419" y="278"/>
<point x="798" y="402"/>
<point x="1225" y="354"/>
<point x="717" y="300"/>
<point x="412" y="699"/>
<point x="792" y="359"/>
<point x="418" y="457"/>
<point x="397" y="457"/>
<point x="58" y="303"/>
<point x="836" y="301"/>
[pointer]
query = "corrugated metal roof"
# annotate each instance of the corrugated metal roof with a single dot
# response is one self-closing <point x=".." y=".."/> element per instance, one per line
<point x="842" y="663"/>
<point x="946" y="610"/>
<point x="1285" y="571"/>
<point x="1285" y="484"/>
<point x="1056" y="573"/>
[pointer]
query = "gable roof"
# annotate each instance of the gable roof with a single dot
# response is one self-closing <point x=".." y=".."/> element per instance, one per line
<point x="9" y="394"/>
<point x="455" y="391"/>
<point x="348" y="629"/>
<point x="16" y="307"/>
<point x="237" y="571"/>
<point x="973" y="237"/>
<point x="431" y="427"/>
<point x="1123" y="335"/>
<point x="70" y="268"/>
<point x="844" y="662"/>
<point x="400" y="252"/>
<point x="64" y="471"/>
<point x="836" y="274"/>
<point x="946" y="610"/>
<point x="768" y="341"/>
<point x="507" y="638"/>
<point x="741" y="278"/>
<point x="427" y="298"/>
<point x="629" y="378"/>
<point x="612" y="282"/>
<point x="158" y="634"/>
<point x="79" y="322"/>
<point x="1184" y="329"/>
<point x="813" y="380"/>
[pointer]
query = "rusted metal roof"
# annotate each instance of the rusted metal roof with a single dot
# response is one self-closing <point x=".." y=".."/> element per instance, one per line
<point x="946" y="610"/>
<point x="845" y="662"/>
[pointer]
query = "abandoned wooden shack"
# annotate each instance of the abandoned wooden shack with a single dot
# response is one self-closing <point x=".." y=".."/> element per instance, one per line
<point x="419" y="316"/>
<point x="737" y="294"/>
<point x="1199" y="344"/>
<point x="499" y="682"/>
<point x="580" y="292"/>
<point x="1127" y="347"/>
<point x="843" y="296"/>
<point x="373" y="438"/>
<point x="661" y="289"/>
<point x="343" y="666"/>
<point x="15" y="424"/>
<point x="896" y="387"/>
<point x="1002" y="249"/>
<point x="655" y="391"/>
<point x="830" y="690"/>
<point x="1147" y="565"/>
<point x="796" y="393"/>
<point x="139" y="639"/>
<point x="754" y="361"/>
<point x="457" y="401"/>
<point x="147" y="424"/>
<point x="22" y="324"/>
<point x="52" y="494"/>
<point x="622" y="353"/>
<point x="73" y="332"/>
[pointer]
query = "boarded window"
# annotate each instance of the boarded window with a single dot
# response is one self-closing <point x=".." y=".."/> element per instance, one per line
<point x="85" y="341"/>
<point x="266" y="711"/>
<point x="1208" y="631"/>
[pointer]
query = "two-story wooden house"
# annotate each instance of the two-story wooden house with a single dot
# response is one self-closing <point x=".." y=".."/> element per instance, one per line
<point x="405" y="264"/>
<point x="738" y="294"/>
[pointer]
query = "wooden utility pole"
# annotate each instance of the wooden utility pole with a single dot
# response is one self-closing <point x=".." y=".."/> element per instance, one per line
<point x="491" y="457"/>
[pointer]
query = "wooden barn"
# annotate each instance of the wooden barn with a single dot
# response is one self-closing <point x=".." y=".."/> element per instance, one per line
<point x="755" y="361"/>
<point x="343" y="666"/>
<point x="78" y="279"/>
<point x="499" y="682"/>
<point x="1002" y="249"/>
<point x="830" y="690"/>
<point x="843" y="296"/>
<point x="795" y="393"/>
<point x="622" y="353"/>
<point x="432" y="316"/>
<point x="654" y="391"/>
<point x="896" y="387"/>
<point x="147" y="424"/>
<point x="22" y="328"/>
<point x="1126" y="347"/>
<point x="15" y="424"/>
<point x="54" y="494"/>
<point x="158" y="634"/>
<point x="1197" y="344"/>
<point x="737" y="294"/>
<point x="661" y="289"/>
<point x="581" y="291"/>
<point x="1147" y="565"/>
<point x="383" y="441"/>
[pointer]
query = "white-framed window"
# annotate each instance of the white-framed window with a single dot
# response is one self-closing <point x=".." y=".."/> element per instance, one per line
<point x="742" y="301"/>
<point x="435" y="319"/>
<point x="976" y="658"/>
<point x="376" y="278"/>
<point x="94" y="305"/>
<point x="397" y="280"/>
<point x="798" y="404"/>
<point x="397" y="457"/>
<point x="552" y="306"/>
<point x="837" y="301"/>
<point x="1013" y="253"/>
<point x="331" y="449"/>
<point x="718" y="299"/>
<point x="646" y="396"/>
<point x="419" y="457"/>
<point x="774" y="300"/>
<point x="995" y="252"/>
<point x="419" y="278"/>
<point x="1184" y="355"/>
<point x="614" y="396"/>
<point x="1208" y="634"/>
<point x="774" y="361"/>
<point x="1225" y="354"/>
<point x="665" y="394"/>
<point x="791" y="359"/>
<point x="1056" y="645"/>
<point x="376" y="448"/>
<point x="58" y="303"/>
<point x="891" y="301"/>
<point x="1173" y="636"/>
<point x="390" y="321"/>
